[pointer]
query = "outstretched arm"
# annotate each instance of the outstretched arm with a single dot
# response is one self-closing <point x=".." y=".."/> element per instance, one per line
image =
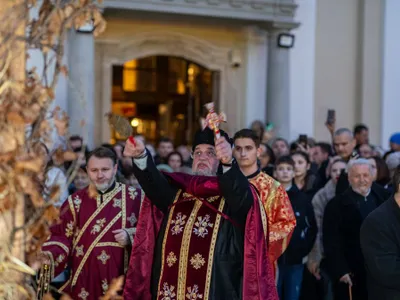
<point x="154" y="184"/>
<point x="235" y="187"/>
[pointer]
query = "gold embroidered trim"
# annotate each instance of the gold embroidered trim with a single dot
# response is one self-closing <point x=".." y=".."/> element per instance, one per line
<point x="98" y="238"/>
<point x="72" y="208"/>
<point x="263" y="219"/>
<point x="165" y="241"/>
<point x="65" y="248"/>
<point x="183" y="256"/>
<point x="109" y="244"/>
<point x="212" y="249"/>
<point x="64" y="286"/>
<point x="123" y="199"/>
<point x="96" y="213"/>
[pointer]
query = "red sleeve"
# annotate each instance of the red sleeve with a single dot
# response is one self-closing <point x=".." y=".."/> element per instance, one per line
<point x="59" y="244"/>
<point x="281" y="221"/>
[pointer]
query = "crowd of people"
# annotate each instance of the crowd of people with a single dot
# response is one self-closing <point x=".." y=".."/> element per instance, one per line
<point x="332" y="189"/>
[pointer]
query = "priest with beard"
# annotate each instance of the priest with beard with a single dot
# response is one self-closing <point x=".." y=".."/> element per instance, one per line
<point x="95" y="233"/>
<point x="199" y="236"/>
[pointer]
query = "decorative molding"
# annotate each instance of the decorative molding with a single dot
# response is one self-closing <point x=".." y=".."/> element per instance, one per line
<point x="166" y="43"/>
<point x="255" y="10"/>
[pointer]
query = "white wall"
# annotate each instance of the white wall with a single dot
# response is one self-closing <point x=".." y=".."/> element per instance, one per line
<point x="302" y="61"/>
<point x="391" y="72"/>
<point x="337" y="56"/>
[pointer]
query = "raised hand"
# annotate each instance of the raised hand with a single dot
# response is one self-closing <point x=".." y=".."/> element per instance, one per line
<point x="223" y="150"/>
<point x="134" y="150"/>
<point x="346" y="279"/>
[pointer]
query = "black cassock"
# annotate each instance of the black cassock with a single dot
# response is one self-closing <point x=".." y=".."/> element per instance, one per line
<point x="380" y="243"/>
<point x="342" y="221"/>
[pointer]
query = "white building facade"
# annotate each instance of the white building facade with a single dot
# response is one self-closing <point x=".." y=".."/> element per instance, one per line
<point x="345" y="57"/>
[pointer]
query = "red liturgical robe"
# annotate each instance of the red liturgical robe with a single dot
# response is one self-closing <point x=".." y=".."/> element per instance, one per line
<point x="189" y="243"/>
<point x="280" y="216"/>
<point x="83" y="239"/>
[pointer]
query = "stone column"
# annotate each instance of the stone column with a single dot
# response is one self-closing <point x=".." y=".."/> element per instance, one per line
<point x="278" y="96"/>
<point x="256" y="57"/>
<point x="391" y="72"/>
<point x="81" y="85"/>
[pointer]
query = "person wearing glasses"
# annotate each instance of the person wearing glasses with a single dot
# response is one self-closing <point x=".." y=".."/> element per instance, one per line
<point x="199" y="236"/>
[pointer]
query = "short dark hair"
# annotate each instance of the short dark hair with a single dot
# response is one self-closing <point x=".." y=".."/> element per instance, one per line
<point x="396" y="180"/>
<point x="103" y="152"/>
<point x="286" y="159"/>
<point x="76" y="138"/>
<point x="325" y="147"/>
<point x="164" y="140"/>
<point x="249" y="134"/>
<point x="359" y="128"/>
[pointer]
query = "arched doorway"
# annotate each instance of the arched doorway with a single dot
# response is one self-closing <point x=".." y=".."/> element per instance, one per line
<point x="163" y="96"/>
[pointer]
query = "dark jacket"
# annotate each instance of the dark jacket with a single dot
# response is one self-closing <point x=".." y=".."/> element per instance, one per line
<point x="227" y="266"/>
<point x="380" y="243"/>
<point x="341" y="232"/>
<point x="304" y="233"/>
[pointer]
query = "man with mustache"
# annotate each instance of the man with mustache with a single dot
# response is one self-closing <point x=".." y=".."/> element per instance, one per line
<point x="95" y="233"/>
<point x="342" y="221"/>
<point x="201" y="236"/>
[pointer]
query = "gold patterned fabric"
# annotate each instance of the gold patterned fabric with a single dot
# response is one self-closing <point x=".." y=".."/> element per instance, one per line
<point x="188" y="248"/>
<point x="84" y="236"/>
<point x="280" y="217"/>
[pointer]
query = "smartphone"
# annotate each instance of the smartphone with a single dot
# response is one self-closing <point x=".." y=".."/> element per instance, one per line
<point x="303" y="139"/>
<point x="331" y="117"/>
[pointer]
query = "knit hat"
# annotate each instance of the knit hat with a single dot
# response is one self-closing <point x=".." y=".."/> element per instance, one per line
<point x="395" y="138"/>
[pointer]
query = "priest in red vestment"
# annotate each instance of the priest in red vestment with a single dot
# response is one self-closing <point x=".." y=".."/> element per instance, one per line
<point x="202" y="236"/>
<point x="280" y="215"/>
<point x="95" y="233"/>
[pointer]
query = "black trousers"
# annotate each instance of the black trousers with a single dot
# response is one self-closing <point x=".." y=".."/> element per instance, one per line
<point x="313" y="289"/>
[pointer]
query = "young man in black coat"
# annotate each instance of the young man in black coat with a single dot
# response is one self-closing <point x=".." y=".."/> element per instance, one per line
<point x="342" y="221"/>
<point x="380" y="243"/>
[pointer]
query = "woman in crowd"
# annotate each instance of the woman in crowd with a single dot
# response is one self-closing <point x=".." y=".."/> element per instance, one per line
<point x="175" y="161"/>
<point x="303" y="178"/>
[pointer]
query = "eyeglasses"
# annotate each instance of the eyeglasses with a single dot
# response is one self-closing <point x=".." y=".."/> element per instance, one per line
<point x="208" y="154"/>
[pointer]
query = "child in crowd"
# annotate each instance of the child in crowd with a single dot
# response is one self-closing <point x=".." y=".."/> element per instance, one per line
<point x="291" y="263"/>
